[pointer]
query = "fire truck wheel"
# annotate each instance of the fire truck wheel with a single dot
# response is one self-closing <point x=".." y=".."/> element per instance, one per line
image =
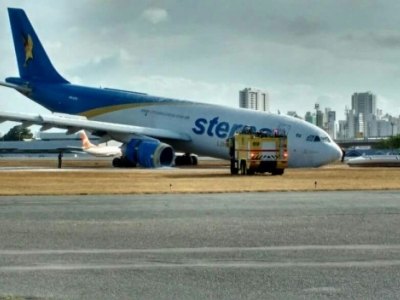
<point x="243" y="169"/>
<point x="234" y="170"/>
<point x="278" y="171"/>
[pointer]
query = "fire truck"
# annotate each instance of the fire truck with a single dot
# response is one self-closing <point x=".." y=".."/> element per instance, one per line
<point x="258" y="151"/>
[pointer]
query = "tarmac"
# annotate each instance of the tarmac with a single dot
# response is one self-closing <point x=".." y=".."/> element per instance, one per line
<point x="311" y="245"/>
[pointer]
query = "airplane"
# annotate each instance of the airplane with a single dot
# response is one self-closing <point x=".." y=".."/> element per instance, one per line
<point x="151" y="128"/>
<point x="99" y="151"/>
<point x="388" y="160"/>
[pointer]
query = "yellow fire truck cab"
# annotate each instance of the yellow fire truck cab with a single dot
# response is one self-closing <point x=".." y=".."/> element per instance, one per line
<point x="258" y="152"/>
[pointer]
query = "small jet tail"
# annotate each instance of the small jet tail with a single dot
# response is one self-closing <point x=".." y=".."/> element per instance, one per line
<point x="33" y="62"/>
<point x="86" y="144"/>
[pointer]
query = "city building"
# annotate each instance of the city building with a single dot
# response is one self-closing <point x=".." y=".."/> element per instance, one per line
<point x="320" y="119"/>
<point x="365" y="120"/>
<point x="364" y="107"/>
<point x="254" y="99"/>
<point x="293" y="114"/>
<point x="326" y="121"/>
<point x="342" y="132"/>
<point x="310" y="117"/>
<point x="331" y="124"/>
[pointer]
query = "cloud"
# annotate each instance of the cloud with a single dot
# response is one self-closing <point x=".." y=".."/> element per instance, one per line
<point x="155" y="15"/>
<point x="187" y="89"/>
<point x="387" y="39"/>
<point x="207" y="50"/>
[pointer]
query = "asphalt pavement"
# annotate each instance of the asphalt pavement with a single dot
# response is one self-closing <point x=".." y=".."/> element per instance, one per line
<point x="315" y="245"/>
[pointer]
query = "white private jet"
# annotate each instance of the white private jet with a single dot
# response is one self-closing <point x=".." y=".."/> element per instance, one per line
<point x="99" y="151"/>
<point x="388" y="160"/>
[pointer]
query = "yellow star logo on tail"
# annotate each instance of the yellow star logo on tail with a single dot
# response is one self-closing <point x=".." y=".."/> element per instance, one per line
<point x="28" y="47"/>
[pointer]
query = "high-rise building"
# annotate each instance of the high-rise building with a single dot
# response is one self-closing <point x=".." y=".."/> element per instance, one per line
<point x="254" y="99"/>
<point x="331" y="125"/>
<point x="364" y="103"/>
<point x="320" y="119"/>
<point x="331" y="116"/>
<point x="310" y="117"/>
<point x="351" y="124"/>
<point x="364" y="107"/>
<point x="343" y="130"/>
<point x="360" y="133"/>
<point x="371" y="125"/>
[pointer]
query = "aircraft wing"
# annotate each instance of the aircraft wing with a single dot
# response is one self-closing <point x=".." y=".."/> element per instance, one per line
<point x="75" y="123"/>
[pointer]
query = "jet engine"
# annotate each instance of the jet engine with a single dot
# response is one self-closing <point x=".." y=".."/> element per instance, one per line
<point x="148" y="153"/>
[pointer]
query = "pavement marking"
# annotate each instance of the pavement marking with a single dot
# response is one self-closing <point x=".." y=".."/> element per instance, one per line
<point x="201" y="249"/>
<point x="179" y="263"/>
<point x="199" y="264"/>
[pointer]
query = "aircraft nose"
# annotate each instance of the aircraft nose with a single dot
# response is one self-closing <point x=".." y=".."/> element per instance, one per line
<point x="334" y="152"/>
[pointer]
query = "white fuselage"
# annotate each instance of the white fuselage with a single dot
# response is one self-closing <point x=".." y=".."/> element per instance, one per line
<point x="208" y="127"/>
<point x="103" y="151"/>
<point x="375" y="161"/>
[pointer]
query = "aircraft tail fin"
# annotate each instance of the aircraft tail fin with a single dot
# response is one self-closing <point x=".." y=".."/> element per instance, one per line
<point x="86" y="144"/>
<point x="33" y="62"/>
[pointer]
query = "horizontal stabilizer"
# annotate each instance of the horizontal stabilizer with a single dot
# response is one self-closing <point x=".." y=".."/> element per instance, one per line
<point x="19" y="88"/>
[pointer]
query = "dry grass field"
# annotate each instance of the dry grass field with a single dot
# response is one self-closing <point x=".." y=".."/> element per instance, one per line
<point x="97" y="177"/>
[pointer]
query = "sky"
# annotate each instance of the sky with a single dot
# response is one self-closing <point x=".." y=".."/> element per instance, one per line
<point x="301" y="52"/>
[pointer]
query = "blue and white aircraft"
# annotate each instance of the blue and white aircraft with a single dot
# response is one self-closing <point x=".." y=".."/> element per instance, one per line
<point x="150" y="128"/>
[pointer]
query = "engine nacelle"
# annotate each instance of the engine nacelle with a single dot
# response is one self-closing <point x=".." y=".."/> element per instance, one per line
<point x="149" y="153"/>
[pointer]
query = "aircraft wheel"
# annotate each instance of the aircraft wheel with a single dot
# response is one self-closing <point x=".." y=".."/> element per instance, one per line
<point x="194" y="160"/>
<point x="117" y="162"/>
<point x="186" y="160"/>
<point x="126" y="163"/>
<point x="122" y="162"/>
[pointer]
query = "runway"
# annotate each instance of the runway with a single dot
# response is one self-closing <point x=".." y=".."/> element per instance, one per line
<point x="313" y="245"/>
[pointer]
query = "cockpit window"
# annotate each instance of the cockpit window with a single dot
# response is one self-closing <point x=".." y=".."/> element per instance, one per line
<point x="310" y="138"/>
<point x="316" y="138"/>
<point x="325" y="139"/>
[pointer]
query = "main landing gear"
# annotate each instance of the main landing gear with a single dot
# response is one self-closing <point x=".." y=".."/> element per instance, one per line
<point x="186" y="160"/>
<point x="122" y="162"/>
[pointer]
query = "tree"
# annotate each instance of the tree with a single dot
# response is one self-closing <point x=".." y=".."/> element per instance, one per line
<point x="18" y="133"/>
<point x="392" y="142"/>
